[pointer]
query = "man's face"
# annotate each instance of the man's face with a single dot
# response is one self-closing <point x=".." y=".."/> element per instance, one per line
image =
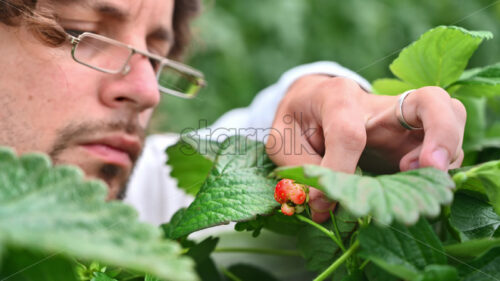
<point x="79" y="115"/>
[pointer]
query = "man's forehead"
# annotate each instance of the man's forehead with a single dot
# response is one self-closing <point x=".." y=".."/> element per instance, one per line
<point x="155" y="13"/>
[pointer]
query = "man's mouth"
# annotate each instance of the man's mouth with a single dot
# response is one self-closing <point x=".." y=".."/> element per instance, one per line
<point x="117" y="150"/>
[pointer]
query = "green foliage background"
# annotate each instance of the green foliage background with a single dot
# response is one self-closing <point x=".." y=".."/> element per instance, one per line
<point x="243" y="46"/>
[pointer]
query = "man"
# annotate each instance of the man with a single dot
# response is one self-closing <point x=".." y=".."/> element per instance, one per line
<point x="86" y="99"/>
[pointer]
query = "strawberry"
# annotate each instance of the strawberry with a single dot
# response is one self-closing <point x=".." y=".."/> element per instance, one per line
<point x="291" y="196"/>
<point x="287" y="209"/>
<point x="282" y="189"/>
<point x="297" y="194"/>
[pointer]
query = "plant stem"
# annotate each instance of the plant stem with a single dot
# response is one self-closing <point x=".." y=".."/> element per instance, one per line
<point x="364" y="264"/>
<point x="264" y="251"/>
<point x="324" y="230"/>
<point x="229" y="274"/>
<point x="338" y="262"/>
<point x="337" y="232"/>
<point x="133" y="277"/>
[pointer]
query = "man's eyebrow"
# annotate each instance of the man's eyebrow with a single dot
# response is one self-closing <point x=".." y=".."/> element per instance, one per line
<point x="110" y="10"/>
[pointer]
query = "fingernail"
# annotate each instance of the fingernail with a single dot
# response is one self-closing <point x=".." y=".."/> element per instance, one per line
<point x="320" y="217"/>
<point x="321" y="205"/>
<point x="440" y="158"/>
<point x="414" y="165"/>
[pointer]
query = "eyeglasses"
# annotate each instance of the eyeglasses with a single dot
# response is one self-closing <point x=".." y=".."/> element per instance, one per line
<point x="113" y="57"/>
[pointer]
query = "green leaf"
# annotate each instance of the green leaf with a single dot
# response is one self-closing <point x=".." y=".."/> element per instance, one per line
<point x="357" y="275"/>
<point x="477" y="90"/>
<point x="485" y="268"/>
<point x="53" y="210"/>
<point x="475" y="126"/>
<point x="191" y="160"/>
<point x="28" y="265"/>
<point x="319" y="250"/>
<point x="388" y="86"/>
<point x="402" y="196"/>
<point x="472" y="248"/>
<point x="168" y="228"/>
<point x="202" y="251"/>
<point x="480" y="82"/>
<point x="246" y="272"/>
<point x="473" y="217"/>
<point x="374" y="273"/>
<point x="438" y="57"/>
<point x="439" y="272"/>
<point x="402" y="251"/>
<point x="237" y="188"/>
<point x="485" y="179"/>
<point x="276" y="222"/>
<point x="151" y="278"/>
<point x="100" y="276"/>
<point x="205" y="266"/>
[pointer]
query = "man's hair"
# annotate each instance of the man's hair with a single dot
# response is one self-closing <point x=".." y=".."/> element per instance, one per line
<point x="43" y="25"/>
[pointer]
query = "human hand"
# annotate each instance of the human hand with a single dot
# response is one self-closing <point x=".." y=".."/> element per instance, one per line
<point x="333" y="122"/>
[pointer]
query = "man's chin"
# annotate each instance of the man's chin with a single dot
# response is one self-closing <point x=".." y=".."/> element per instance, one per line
<point x="115" y="177"/>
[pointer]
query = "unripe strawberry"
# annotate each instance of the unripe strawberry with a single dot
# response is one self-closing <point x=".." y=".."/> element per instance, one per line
<point x="287" y="209"/>
<point x="299" y="209"/>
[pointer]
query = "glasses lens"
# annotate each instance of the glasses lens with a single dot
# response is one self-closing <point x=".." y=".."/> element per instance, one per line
<point x="171" y="79"/>
<point x="99" y="53"/>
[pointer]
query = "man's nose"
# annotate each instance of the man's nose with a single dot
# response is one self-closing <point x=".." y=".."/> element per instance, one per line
<point x="137" y="87"/>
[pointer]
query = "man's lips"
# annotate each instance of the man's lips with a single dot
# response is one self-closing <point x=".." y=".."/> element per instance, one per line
<point x="118" y="150"/>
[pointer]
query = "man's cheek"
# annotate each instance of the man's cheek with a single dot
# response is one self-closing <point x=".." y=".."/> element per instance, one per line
<point x="145" y="117"/>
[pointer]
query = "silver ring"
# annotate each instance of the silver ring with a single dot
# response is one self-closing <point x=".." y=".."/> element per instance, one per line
<point x="399" y="111"/>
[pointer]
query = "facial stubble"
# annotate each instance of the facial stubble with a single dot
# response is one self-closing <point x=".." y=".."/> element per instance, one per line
<point x="72" y="133"/>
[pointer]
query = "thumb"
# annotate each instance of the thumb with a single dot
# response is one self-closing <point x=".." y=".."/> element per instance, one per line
<point x="320" y="205"/>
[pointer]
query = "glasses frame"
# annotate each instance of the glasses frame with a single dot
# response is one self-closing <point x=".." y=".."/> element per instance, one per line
<point x="198" y="76"/>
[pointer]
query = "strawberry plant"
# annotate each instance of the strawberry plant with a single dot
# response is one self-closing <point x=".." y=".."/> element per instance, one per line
<point x="423" y="224"/>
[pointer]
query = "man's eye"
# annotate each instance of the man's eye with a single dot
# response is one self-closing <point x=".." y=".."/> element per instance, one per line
<point x="155" y="64"/>
<point x="75" y="32"/>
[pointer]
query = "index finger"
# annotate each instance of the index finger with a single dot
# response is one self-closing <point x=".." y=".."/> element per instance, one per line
<point x="443" y="121"/>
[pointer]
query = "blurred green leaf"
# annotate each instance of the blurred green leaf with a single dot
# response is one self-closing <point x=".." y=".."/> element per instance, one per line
<point x="244" y="46"/>
<point x="484" y="268"/>
<point x="439" y="272"/>
<point x="357" y="275"/>
<point x="28" y="265"/>
<point x="480" y="82"/>
<point x="151" y="278"/>
<point x="472" y="248"/>
<point x="53" y="210"/>
<point x="100" y="276"/>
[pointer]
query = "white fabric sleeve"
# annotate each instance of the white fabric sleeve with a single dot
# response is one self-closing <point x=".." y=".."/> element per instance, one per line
<point x="155" y="194"/>
<point x="260" y="113"/>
